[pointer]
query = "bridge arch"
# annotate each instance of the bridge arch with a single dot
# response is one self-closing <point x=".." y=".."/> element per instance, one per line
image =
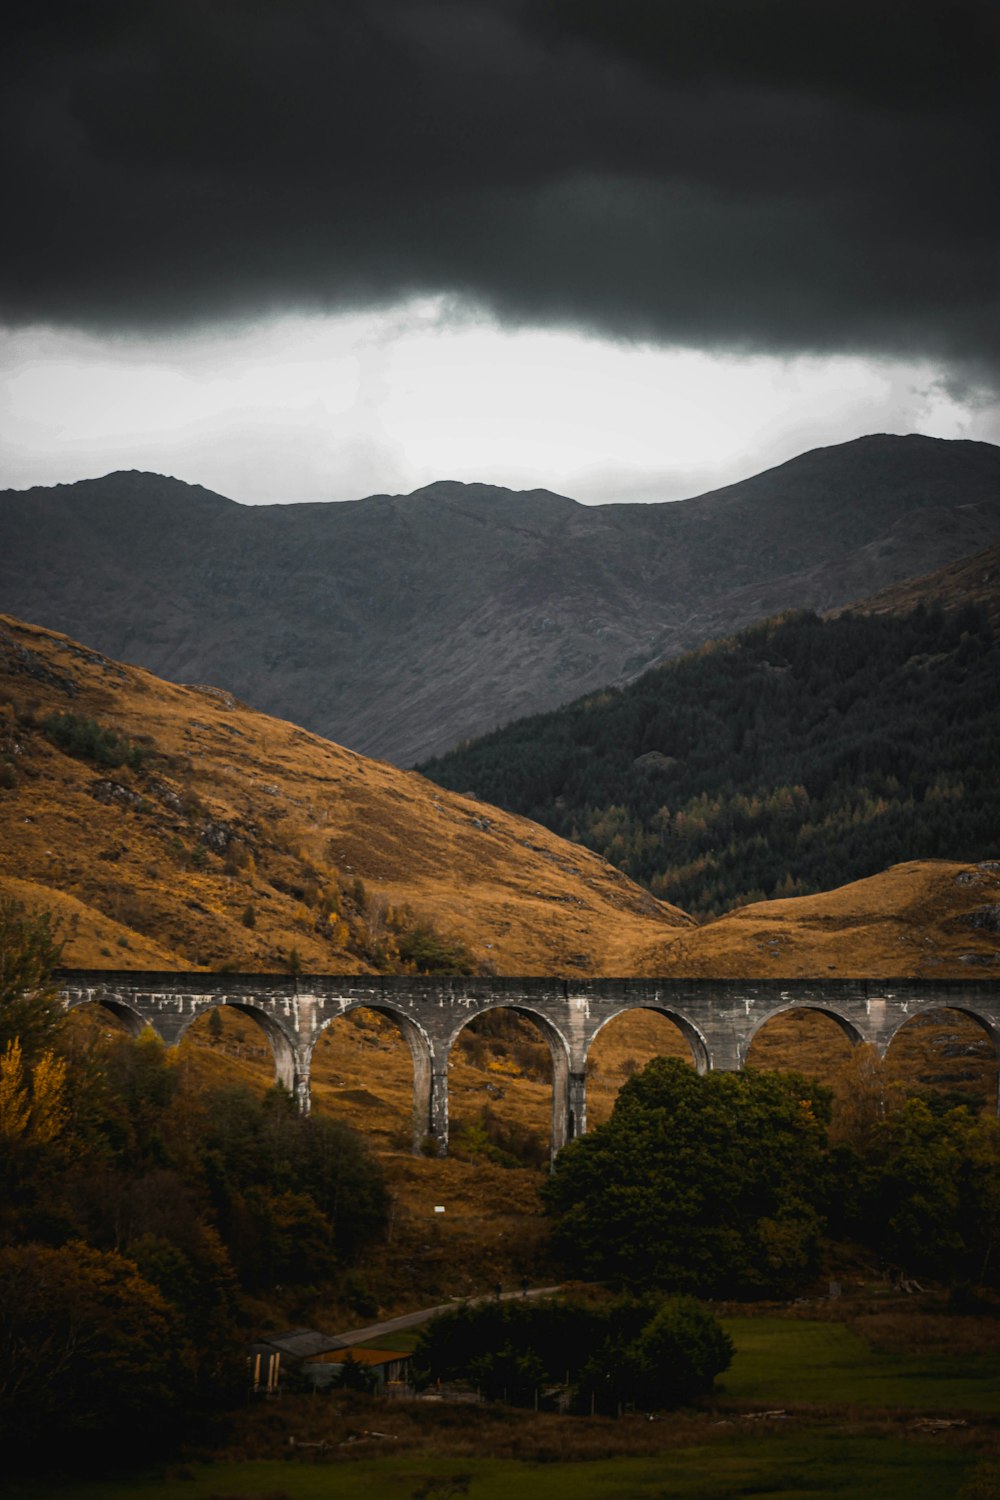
<point x="988" y="1025"/>
<point x="421" y="1055"/>
<point x="695" y="1040"/>
<point x="287" y="1069"/>
<point x="563" y="1124"/>
<point x="692" y="1034"/>
<point x="853" y="1032"/>
<point x="134" y="1023"/>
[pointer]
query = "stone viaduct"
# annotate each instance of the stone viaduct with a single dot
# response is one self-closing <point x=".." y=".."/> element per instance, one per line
<point x="718" y="1017"/>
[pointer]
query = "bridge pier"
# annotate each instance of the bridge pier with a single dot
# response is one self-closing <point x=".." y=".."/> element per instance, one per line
<point x="560" y="1102"/>
<point x="299" y="1087"/>
<point x="576" y="1100"/>
<point x="439" y="1109"/>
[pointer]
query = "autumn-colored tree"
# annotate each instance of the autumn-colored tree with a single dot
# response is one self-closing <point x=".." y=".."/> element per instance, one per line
<point x="30" y="948"/>
<point x="87" y="1348"/>
<point x="865" y="1091"/>
<point x="32" y="1100"/>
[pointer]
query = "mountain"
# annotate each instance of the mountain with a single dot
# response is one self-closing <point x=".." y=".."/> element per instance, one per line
<point x="173" y="827"/>
<point x="400" y="625"/>
<point x="795" y="756"/>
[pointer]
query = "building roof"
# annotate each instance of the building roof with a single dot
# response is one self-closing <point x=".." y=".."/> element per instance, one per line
<point x="300" y="1343"/>
<point x="360" y="1356"/>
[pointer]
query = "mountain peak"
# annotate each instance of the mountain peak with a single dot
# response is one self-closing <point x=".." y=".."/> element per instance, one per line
<point x="126" y="487"/>
<point x="491" y="494"/>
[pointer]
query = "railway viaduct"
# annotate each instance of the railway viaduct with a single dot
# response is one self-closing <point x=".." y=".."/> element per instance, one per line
<point x="718" y="1017"/>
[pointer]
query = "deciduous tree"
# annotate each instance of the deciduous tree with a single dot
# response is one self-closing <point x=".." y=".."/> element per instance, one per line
<point x="710" y="1185"/>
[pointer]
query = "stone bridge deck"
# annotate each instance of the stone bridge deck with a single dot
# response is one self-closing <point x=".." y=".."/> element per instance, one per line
<point x="718" y="1017"/>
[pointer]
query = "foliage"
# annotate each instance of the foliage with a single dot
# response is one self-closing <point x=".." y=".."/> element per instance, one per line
<point x="397" y="941"/>
<point x="87" y="1347"/>
<point x="32" y="1101"/>
<point x="925" y="1193"/>
<point x="627" y="1350"/>
<point x="173" y="1201"/>
<point x="508" y="1143"/>
<point x="674" y="1358"/>
<point x="800" y="755"/>
<point x="88" y="740"/>
<point x="30" y="948"/>
<point x="294" y="1196"/>
<point x="710" y="1185"/>
<point x="354" y="1376"/>
<point x="423" y="950"/>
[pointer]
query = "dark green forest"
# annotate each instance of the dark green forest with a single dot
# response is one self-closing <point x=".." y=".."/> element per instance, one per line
<point x="797" y="756"/>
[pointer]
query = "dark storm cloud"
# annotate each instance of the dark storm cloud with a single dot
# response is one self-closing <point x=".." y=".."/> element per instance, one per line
<point x="759" y="174"/>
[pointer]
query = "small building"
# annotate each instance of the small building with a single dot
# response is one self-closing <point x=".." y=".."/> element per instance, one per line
<point x="388" y="1368"/>
<point x="269" y="1358"/>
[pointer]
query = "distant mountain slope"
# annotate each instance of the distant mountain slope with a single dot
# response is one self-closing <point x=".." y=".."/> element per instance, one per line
<point x="175" y="827"/>
<point x="401" y="625"/>
<point x="798" y="755"/>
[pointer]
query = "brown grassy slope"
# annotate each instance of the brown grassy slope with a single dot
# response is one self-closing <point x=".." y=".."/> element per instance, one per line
<point x="927" y="919"/>
<point x="234" y="810"/>
<point x="971" y="580"/>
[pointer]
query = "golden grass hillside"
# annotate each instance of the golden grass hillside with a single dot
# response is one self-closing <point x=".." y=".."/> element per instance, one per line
<point x="927" y="919"/>
<point x="241" y="841"/>
<point x="236" y="840"/>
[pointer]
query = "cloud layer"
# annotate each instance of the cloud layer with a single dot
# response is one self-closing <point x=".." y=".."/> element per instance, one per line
<point x="760" y="175"/>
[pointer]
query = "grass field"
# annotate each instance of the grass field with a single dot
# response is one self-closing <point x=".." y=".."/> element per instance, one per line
<point x="794" y="1466"/>
<point x="783" y="1360"/>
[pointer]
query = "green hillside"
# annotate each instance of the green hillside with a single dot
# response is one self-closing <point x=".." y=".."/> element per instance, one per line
<point x="797" y="756"/>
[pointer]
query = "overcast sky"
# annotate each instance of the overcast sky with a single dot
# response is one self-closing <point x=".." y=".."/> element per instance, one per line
<point x="625" y="249"/>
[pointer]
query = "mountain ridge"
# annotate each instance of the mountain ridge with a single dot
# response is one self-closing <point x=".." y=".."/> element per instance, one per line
<point x="401" y="625"/>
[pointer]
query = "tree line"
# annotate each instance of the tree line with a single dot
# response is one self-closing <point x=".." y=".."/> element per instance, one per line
<point x="734" y="1185"/>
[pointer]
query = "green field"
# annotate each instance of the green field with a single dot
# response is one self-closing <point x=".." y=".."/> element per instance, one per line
<point x="781" y="1360"/>
<point x="797" y="1466"/>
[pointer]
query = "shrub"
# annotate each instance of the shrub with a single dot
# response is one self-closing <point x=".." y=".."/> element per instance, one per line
<point x="30" y="948"/>
<point x="88" y="740"/>
<point x="627" y="1351"/>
